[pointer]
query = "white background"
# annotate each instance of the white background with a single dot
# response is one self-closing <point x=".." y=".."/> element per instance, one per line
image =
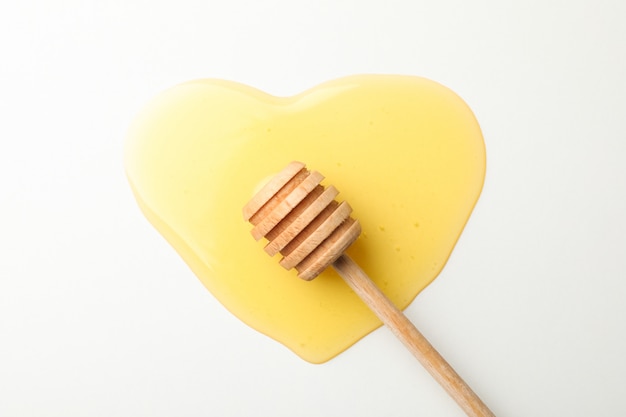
<point x="100" y="317"/>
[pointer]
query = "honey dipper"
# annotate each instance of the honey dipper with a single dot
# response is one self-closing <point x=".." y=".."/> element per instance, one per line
<point x="302" y="220"/>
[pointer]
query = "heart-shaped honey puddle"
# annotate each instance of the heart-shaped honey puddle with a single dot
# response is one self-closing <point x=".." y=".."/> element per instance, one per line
<point x="406" y="152"/>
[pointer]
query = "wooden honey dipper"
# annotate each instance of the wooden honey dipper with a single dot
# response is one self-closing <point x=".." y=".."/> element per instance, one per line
<point x="301" y="220"/>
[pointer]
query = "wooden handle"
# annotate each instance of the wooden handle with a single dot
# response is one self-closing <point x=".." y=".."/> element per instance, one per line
<point x="404" y="330"/>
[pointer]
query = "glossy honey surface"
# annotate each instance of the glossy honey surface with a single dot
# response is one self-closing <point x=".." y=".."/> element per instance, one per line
<point x="405" y="152"/>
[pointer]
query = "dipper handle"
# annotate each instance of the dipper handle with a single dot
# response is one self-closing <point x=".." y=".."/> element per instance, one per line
<point x="412" y="338"/>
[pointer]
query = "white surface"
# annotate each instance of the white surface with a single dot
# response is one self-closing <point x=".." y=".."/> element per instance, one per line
<point x="99" y="316"/>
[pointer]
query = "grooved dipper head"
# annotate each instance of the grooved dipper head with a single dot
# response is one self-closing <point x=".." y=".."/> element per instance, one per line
<point x="302" y="220"/>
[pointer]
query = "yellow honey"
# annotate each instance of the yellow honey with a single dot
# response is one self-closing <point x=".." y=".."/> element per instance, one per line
<point x="405" y="152"/>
